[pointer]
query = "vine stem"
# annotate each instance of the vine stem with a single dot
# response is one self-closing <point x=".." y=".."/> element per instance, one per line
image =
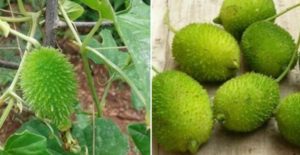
<point x="87" y="69"/>
<point x="22" y="8"/>
<point x="15" y="19"/>
<point x="168" y="22"/>
<point x="28" y="46"/>
<point x="6" y="112"/>
<point x="155" y="70"/>
<point x="12" y="86"/>
<point x="283" y="12"/>
<point x="285" y="72"/>
<point x="84" y="56"/>
<point x="118" y="70"/>
<point x="24" y="37"/>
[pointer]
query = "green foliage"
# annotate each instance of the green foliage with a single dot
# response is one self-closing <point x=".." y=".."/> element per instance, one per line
<point x="108" y="138"/>
<point x="3" y="4"/>
<point x="26" y="143"/>
<point x="141" y="137"/>
<point x="103" y="7"/>
<point x="74" y="10"/>
<point x="54" y="143"/>
<point x="118" y="57"/>
<point x="37" y="5"/>
<point x="134" y="29"/>
<point x="47" y="78"/>
<point x="7" y="75"/>
<point x="120" y="5"/>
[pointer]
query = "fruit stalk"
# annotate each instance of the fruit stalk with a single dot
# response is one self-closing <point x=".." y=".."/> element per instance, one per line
<point x="168" y="23"/>
<point x="283" y="12"/>
<point x="155" y="69"/>
<point x="285" y="72"/>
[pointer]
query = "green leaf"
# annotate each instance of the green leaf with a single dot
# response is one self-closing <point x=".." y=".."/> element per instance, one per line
<point x="134" y="29"/>
<point x="102" y="6"/>
<point x="73" y="9"/>
<point x="5" y="28"/>
<point x="120" y="5"/>
<point x="26" y="143"/>
<point x="54" y="144"/>
<point x="37" y="4"/>
<point x="119" y="58"/>
<point x="108" y="138"/>
<point x="141" y="137"/>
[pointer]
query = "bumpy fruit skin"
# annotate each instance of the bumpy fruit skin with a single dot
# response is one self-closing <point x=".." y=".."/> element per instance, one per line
<point x="288" y="118"/>
<point x="244" y="103"/>
<point x="267" y="48"/>
<point x="237" y="15"/>
<point x="206" y="52"/>
<point x="49" y="86"/>
<point x="182" y="115"/>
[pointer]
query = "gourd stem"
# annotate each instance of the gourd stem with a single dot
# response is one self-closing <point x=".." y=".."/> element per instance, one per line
<point x="283" y="12"/>
<point x="15" y="19"/>
<point x="118" y="70"/>
<point x="28" y="47"/>
<point x="155" y="70"/>
<point x="84" y="56"/>
<point x="12" y="86"/>
<point x="168" y="22"/>
<point x="285" y="72"/>
<point x="6" y="112"/>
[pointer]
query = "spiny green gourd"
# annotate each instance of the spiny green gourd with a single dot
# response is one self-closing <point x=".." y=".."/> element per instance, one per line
<point x="288" y="118"/>
<point x="244" y="103"/>
<point x="206" y="52"/>
<point x="267" y="48"/>
<point x="237" y="15"/>
<point x="182" y="115"/>
<point x="49" y="86"/>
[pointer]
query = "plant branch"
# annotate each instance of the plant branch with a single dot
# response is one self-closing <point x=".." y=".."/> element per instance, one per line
<point x="285" y="72"/>
<point x="3" y="97"/>
<point x="283" y="12"/>
<point x="86" y="66"/>
<point x="17" y="38"/>
<point x="9" y="65"/>
<point x="6" y="112"/>
<point x="106" y="90"/>
<point x="7" y="11"/>
<point x="24" y="37"/>
<point x="118" y="70"/>
<point x="28" y="46"/>
<point x="87" y="69"/>
<point x="22" y="8"/>
<point x="62" y="24"/>
<point x="69" y="23"/>
<point x="51" y="23"/>
<point x="15" y="19"/>
<point x="155" y="70"/>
